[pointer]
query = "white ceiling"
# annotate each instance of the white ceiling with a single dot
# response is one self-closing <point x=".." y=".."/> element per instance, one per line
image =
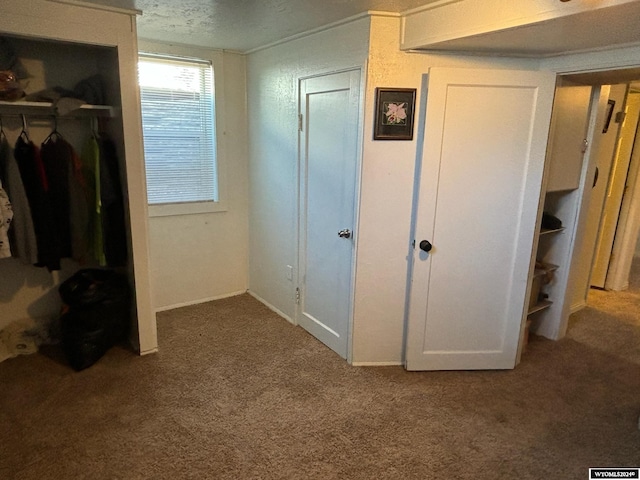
<point x="585" y="31"/>
<point x="243" y="25"/>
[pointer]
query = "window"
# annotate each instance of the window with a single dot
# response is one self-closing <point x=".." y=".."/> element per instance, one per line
<point x="178" y="123"/>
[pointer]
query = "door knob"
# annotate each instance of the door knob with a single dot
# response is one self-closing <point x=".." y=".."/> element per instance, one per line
<point x="425" y="245"/>
<point x="346" y="233"/>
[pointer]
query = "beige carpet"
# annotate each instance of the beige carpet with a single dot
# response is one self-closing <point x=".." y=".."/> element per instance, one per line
<point x="238" y="393"/>
<point x="611" y="322"/>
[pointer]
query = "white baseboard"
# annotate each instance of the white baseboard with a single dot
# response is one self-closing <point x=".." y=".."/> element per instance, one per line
<point x="376" y="364"/>
<point x="199" y="301"/>
<point x="271" y="307"/>
<point x="148" y="352"/>
<point x="577" y="307"/>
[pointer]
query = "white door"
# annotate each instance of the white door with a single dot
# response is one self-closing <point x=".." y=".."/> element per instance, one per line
<point x="602" y="145"/>
<point x="626" y="233"/>
<point x="329" y="106"/>
<point x="615" y="192"/>
<point x="482" y="164"/>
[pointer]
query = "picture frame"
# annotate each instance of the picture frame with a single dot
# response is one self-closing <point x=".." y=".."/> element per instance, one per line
<point x="607" y="120"/>
<point x="394" y="113"/>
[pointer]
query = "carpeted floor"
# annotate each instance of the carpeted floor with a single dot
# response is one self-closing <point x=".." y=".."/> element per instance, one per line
<point x="238" y="393"/>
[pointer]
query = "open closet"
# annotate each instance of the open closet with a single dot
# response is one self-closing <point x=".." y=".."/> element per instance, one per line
<point x="78" y="69"/>
<point x="591" y="164"/>
<point x="577" y="110"/>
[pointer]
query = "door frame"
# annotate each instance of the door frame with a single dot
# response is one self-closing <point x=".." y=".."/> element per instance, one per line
<point x="567" y="68"/>
<point x="300" y="171"/>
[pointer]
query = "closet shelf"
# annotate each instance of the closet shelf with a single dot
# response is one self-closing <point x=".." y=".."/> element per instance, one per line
<point x="49" y="109"/>
<point x="541" y="305"/>
<point x="545" y="231"/>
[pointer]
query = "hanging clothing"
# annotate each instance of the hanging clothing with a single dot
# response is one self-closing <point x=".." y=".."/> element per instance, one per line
<point x="91" y="169"/>
<point x="22" y="236"/>
<point x="56" y="155"/>
<point x="112" y="201"/>
<point x="33" y="175"/>
<point x="79" y="199"/>
<point x="5" y="151"/>
<point x="6" y="215"/>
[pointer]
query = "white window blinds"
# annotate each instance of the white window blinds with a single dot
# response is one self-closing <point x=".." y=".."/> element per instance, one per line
<point x="178" y="124"/>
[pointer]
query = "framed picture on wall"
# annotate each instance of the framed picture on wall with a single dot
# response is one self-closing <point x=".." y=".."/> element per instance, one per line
<point x="394" y="113"/>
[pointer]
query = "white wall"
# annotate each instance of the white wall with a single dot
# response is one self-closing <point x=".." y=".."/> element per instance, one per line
<point x="273" y="75"/>
<point x="387" y="174"/>
<point x="386" y="189"/>
<point x="199" y="257"/>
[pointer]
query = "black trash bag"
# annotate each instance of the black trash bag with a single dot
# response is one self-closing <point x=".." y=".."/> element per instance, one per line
<point x="97" y="317"/>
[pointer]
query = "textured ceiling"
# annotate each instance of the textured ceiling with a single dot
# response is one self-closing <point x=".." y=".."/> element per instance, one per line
<point x="244" y="24"/>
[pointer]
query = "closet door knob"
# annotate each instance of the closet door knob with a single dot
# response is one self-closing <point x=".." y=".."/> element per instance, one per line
<point x="425" y="246"/>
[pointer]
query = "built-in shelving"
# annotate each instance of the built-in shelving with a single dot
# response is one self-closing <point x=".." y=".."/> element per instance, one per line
<point x="562" y="195"/>
<point x="547" y="231"/>
<point x="542" y="270"/>
<point x="541" y="305"/>
<point x="50" y="109"/>
<point x="553" y="254"/>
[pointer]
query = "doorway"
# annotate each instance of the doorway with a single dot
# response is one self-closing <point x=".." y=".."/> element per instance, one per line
<point x="612" y="220"/>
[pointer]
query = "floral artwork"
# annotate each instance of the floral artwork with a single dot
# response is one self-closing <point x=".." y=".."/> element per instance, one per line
<point x="394" y="113"/>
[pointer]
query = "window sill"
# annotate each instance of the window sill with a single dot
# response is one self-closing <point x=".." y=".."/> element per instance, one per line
<point x="191" y="208"/>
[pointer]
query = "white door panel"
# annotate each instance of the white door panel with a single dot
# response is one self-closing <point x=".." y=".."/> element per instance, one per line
<point x="329" y="151"/>
<point x="482" y="164"/>
<point x="616" y="189"/>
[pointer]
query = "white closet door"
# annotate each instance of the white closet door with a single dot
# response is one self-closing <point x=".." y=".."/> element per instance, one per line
<point x="482" y="165"/>
<point x="328" y="162"/>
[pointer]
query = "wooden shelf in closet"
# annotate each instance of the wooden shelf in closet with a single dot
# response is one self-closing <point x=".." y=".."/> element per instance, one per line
<point x="546" y="231"/>
<point x="49" y="109"/>
<point x="541" y="305"/>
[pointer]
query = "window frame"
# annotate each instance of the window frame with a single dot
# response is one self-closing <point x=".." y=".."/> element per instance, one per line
<point x="215" y="58"/>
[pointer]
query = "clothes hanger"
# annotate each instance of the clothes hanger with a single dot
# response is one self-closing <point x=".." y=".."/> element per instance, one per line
<point x="24" y="135"/>
<point x="54" y="135"/>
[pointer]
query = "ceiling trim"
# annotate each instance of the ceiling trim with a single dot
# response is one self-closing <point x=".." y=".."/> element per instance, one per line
<point x="329" y="26"/>
<point x="429" y="6"/>
<point x="97" y="6"/>
<point x="520" y="54"/>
